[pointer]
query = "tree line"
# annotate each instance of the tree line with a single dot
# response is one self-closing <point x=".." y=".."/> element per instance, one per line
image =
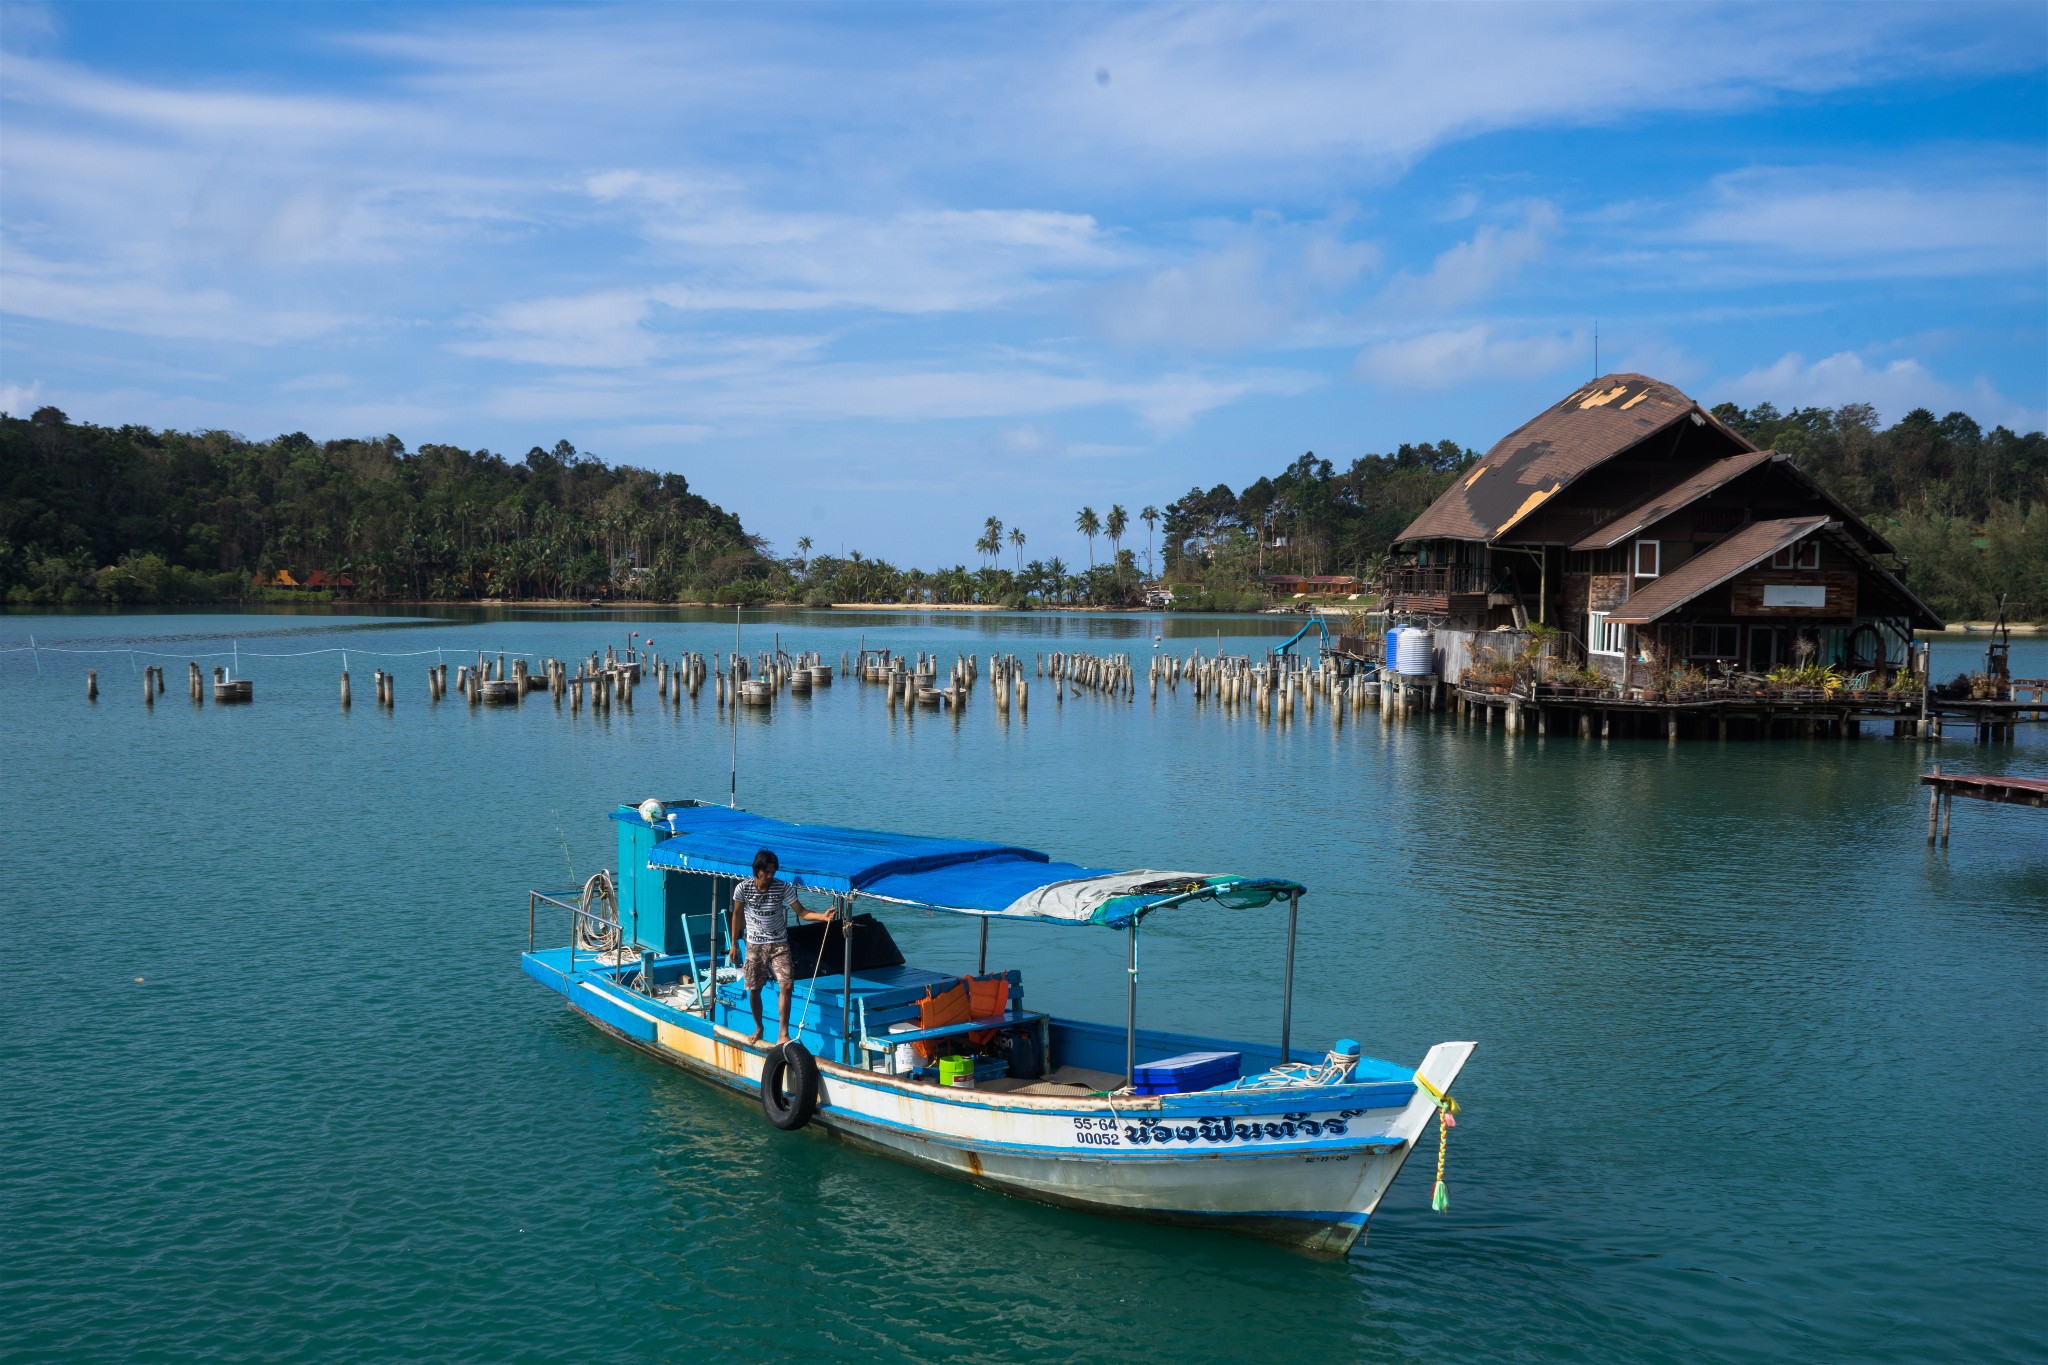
<point x="130" y="514"/>
<point x="1966" y="509"/>
<point x="1310" y="518"/>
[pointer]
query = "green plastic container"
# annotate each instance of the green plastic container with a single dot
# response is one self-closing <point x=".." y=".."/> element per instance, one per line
<point x="956" y="1071"/>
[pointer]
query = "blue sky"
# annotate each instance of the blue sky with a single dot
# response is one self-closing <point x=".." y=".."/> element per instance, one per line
<point x="872" y="273"/>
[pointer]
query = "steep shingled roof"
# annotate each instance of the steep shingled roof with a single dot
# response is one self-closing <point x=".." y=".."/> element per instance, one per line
<point x="1681" y="494"/>
<point x="1712" y="567"/>
<point x="1594" y="424"/>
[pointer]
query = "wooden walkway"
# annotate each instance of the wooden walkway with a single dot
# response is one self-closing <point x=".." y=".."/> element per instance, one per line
<point x="1944" y="788"/>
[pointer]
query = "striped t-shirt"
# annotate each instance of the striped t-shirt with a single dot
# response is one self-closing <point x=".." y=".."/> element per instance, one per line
<point x="767" y="911"/>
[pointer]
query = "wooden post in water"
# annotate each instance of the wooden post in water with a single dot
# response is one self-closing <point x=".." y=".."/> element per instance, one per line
<point x="344" y="690"/>
<point x="92" y="684"/>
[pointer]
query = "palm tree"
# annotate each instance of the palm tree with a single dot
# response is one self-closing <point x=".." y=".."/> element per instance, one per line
<point x="1150" y="516"/>
<point x="1118" y="523"/>
<point x="991" y="542"/>
<point x="803" y="550"/>
<point x="1089" y="525"/>
<point x="1017" y="544"/>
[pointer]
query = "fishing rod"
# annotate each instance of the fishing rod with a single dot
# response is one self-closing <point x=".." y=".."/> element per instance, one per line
<point x="732" y="797"/>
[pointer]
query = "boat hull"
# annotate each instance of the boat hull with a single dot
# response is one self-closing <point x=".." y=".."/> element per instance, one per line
<point x="1293" y="1168"/>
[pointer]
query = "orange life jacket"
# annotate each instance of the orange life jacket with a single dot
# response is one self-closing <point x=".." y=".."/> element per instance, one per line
<point x="971" y="997"/>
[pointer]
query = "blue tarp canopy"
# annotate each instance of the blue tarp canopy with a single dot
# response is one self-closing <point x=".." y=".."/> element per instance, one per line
<point x="965" y="876"/>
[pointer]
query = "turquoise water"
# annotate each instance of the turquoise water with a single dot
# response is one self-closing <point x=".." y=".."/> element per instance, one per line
<point x="1759" y="1077"/>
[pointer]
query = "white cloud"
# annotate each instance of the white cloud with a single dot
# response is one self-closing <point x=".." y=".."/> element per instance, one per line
<point x="19" y="400"/>
<point x="37" y="289"/>
<point x="1273" y="85"/>
<point x="1894" y="388"/>
<point x="1261" y="284"/>
<point x="1963" y="215"/>
<point x="867" y="391"/>
<point x="27" y="27"/>
<point x="662" y="433"/>
<point x="1479" y="353"/>
<point x="1025" y="439"/>
<point x="601" y="329"/>
<point x="1461" y="206"/>
<point x="163" y="109"/>
<point x="1475" y="268"/>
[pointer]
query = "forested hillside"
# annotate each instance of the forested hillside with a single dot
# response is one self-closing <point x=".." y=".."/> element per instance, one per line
<point x="91" y="514"/>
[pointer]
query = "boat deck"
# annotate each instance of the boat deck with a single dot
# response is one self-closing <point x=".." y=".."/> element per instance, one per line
<point x="1078" y="1059"/>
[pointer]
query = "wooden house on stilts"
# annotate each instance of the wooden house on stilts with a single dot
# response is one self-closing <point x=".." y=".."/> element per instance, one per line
<point x="1652" y="543"/>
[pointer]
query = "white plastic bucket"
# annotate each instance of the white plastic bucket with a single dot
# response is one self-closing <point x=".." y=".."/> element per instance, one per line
<point x="903" y="1057"/>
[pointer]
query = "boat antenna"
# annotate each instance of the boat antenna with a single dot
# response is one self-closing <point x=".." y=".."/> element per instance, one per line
<point x="565" y="846"/>
<point x="732" y="795"/>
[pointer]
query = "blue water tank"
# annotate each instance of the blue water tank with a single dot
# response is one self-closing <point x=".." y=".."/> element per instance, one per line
<point x="1393" y="635"/>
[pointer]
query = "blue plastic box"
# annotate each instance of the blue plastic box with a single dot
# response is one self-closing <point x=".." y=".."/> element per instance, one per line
<point x="1188" y="1072"/>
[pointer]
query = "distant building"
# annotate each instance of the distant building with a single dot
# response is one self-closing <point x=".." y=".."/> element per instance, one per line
<point x="1281" y="585"/>
<point x="1646" y="530"/>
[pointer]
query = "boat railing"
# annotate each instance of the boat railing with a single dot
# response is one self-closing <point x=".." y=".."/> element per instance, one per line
<point x="585" y="925"/>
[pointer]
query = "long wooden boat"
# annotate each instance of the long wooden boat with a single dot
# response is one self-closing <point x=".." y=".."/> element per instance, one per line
<point x="1293" y="1148"/>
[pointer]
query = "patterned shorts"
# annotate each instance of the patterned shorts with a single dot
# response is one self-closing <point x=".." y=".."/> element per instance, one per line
<point x="763" y="958"/>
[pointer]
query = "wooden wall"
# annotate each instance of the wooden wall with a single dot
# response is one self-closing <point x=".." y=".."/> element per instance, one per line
<point x="1747" y="593"/>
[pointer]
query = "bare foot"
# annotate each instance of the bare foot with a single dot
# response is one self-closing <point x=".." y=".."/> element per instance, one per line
<point x="781" y="1037"/>
<point x="755" y="1041"/>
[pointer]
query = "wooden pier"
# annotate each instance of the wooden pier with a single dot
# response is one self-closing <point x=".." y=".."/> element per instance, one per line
<point x="1944" y="788"/>
<point x="1794" y="713"/>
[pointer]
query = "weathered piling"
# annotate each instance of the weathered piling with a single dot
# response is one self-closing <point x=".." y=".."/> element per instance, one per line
<point x="92" y="684"/>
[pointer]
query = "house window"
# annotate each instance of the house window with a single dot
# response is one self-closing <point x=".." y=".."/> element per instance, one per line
<point x="1647" y="558"/>
<point x="1604" y="636"/>
<point x="1804" y="555"/>
<point x="1716" y="642"/>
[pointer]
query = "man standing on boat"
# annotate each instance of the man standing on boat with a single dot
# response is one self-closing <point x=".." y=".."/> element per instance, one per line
<point x="765" y="903"/>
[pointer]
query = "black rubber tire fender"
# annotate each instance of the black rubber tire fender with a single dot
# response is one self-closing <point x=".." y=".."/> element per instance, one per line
<point x="791" y="1063"/>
